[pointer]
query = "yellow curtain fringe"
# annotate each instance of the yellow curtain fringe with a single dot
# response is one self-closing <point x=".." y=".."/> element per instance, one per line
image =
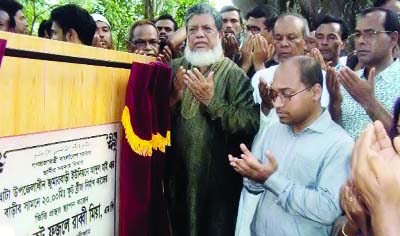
<point x="140" y="146"/>
<point x="159" y="142"/>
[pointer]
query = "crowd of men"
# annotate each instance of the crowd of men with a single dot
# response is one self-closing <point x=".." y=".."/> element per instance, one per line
<point x="276" y="129"/>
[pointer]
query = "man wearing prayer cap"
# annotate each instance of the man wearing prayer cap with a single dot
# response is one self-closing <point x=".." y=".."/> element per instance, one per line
<point x="103" y="37"/>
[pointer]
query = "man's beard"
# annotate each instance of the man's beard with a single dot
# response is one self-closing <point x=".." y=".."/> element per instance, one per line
<point x="207" y="58"/>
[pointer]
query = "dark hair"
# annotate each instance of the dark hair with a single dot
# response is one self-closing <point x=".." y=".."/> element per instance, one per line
<point x="203" y="8"/>
<point x="11" y="7"/>
<point x="71" y="16"/>
<point x="45" y="27"/>
<point x="232" y="8"/>
<point x="168" y="17"/>
<point x="396" y="113"/>
<point x="310" y="70"/>
<point x="305" y="31"/>
<point x="379" y="3"/>
<point x="391" y="18"/>
<point x="139" y="23"/>
<point x="270" y="13"/>
<point x="328" y="19"/>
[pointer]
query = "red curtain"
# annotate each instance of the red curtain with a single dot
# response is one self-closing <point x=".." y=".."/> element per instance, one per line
<point x="146" y="125"/>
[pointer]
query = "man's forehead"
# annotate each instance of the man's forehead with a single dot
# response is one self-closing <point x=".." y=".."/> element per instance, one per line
<point x="101" y="24"/>
<point x="288" y="26"/>
<point x="371" y="20"/>
<point x="145" y="31"/>
<point x="259" y="20"/>
<point x="286" y="75"/>
<point x="331" y="27"/>
<point x="230" y="15"/>
<point x="165" y="23"/>
<point x="202" y="20"/>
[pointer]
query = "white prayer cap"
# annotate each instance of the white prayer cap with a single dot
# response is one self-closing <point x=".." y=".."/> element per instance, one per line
<point x="98" y="17"/>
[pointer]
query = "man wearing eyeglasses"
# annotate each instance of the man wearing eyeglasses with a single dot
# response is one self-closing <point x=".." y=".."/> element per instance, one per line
<point x="303" y="160"/>
<point x="290" y="34"/>
<point x="143" y="39"/>
<point x="368" y="95"/>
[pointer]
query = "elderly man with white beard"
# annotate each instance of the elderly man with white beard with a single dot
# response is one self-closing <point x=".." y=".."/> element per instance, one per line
<point x="212" y="110"/>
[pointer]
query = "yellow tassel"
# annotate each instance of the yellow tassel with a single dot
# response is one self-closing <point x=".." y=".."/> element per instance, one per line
<point x="138" y="145"/>
<point x="159" y="142"/>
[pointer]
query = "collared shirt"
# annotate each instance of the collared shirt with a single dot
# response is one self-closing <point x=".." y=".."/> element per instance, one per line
<point x="387" y="89"/>
<point x="302" y="196"/>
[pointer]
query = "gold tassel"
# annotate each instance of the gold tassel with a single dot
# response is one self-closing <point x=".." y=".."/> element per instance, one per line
<point x="159" y="142"/>
<point x="138" y="145"/>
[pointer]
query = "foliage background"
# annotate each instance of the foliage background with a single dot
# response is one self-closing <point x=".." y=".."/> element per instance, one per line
<point x="122" y="13"/>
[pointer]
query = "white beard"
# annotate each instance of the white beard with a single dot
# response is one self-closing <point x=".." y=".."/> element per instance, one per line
<point x="207" y="58"/>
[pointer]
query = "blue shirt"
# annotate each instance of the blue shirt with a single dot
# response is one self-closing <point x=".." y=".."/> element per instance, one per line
<point x="387" y="89"/>
<point x="302" y="196"/>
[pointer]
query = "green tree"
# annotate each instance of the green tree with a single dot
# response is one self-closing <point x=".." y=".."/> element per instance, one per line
<point x="120" y="13"/>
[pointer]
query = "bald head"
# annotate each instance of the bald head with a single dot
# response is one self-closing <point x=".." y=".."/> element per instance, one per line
<point x="290" y="33"/>
<point x="308" y="68"/>
<point x="297" y="20"/>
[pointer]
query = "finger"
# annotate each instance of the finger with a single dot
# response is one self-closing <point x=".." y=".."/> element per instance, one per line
<point x="192" y="75"/>
<point x="251" y="162"/>
<point x="235" y="44"/>
<point x="231" y="158"/>
<point x="244" y="149"/>
<point x="256" y="44"/>
<point x="271" y="158"/>
<point x="382" y="138"/>
<point x="346" y="207"/>
<point x="345" y="81"/>
<point x="360" y="154"/>
<point x="396" y="143"/>
<point x="351" y="76"/>
<point x="167" y="52"/>
<point x="198" y="75"/>
<point x="243" y="166"/>
<point x="371" y="77"/>
<point x="376" y="164"/>
<point x="188" y="81"/>
<point x="210" y="76"/>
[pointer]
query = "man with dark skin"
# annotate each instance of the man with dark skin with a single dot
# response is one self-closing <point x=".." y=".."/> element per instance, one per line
<point x="232" y="28"/>
<point x="143" y="39"/>
<point x="331" y="35"/>
<point x="258" y="51"/>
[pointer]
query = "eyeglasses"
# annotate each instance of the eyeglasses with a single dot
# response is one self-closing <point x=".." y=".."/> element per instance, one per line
<point x="285" y="98"/>
<point x="143" y="43"/>
<point x="368" y="34"/>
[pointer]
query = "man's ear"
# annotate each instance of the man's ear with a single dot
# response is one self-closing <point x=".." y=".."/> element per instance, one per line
<point x="317" y="92"/>
<point x="394" y="36"/>
<point x="72" y="36"/>
<point x="221" y="34"/>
